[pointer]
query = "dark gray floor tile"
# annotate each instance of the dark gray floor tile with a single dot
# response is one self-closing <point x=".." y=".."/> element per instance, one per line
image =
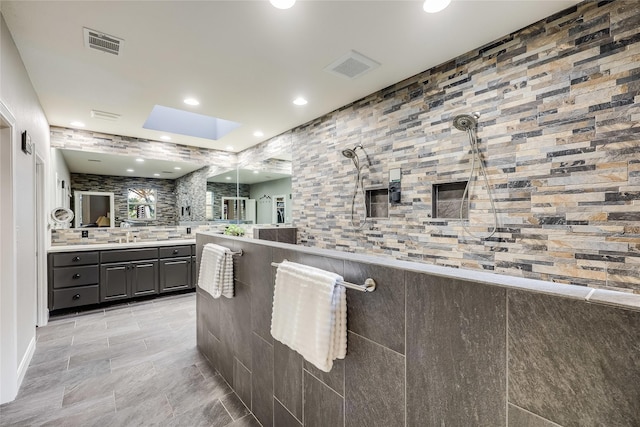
<point x="81" y="414"/>
<point x="211" y="414"/>
<point x="155" y="411"/>
<point x="455" y="352"/>
<point x="322" y="406"/>
<point x="234" y="406"/>
<point x="334" y="378"/>
<point x="518" y="417"/>
<point x="374" y="385"/>
<point x="565" y="364"/>
<point x="378" y="315"/>
<point x="262" y="381"/>
<point x="27" y="411"/>
<point x="248" y="421"/>
<point x="192" y="393"/>
<point x="242" y="381"/>
<point x="287" y="384"/>
<point x="282" y="417"/>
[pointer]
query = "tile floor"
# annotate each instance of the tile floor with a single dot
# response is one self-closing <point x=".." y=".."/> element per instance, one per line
<point x="131" y="365"/>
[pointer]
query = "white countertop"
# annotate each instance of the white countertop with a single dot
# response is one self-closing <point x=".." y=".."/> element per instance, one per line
<point x="130" y="245"/>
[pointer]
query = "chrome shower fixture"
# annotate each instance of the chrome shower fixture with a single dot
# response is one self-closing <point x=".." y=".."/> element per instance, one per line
<point x="464" y="122"/>
<point x="351" y="153"/>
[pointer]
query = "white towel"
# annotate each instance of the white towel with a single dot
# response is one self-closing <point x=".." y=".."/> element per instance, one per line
<point x="310" y="313"/>
<point x="216" y="271"/>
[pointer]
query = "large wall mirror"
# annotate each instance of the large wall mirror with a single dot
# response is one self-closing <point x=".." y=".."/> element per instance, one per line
<point x="176" y="193"/>
<point x="259" y="193"/>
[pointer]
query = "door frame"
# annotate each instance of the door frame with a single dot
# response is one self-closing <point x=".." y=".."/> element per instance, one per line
<point x="42" y="312"/>
<point x="9" y="377"/>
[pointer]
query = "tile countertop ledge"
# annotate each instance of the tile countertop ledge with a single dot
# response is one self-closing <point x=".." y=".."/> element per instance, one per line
<point x="130" y="245"/>
<point x="592" y="295"/>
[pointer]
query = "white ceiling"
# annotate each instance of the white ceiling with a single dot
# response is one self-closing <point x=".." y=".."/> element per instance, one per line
<point x="244" y="60"/>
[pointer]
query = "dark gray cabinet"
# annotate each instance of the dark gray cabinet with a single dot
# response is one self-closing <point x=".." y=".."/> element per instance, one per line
<point x="175" y="268"/>
<point x="128" y="273"/>
<point x="84" y="278"/>
<point x="73" y="279"/>
<point x="127" y="280"/>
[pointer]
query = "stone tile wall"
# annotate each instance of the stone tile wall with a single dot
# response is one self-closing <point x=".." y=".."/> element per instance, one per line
<point x="559" y="134"/>
<point x="425" y="350"/>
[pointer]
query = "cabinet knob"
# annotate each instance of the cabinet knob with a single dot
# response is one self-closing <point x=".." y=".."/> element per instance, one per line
<point x="175" y="251"/>
<point x="76" y="276"/>
<point x="76" y="258"/>
<point x="76" y="296"/>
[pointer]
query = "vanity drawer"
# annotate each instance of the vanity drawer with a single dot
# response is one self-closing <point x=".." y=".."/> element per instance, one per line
<point x="74" y="297"/>
<point x="74" y="258"/>
<point x="175" y="251"/>
<point x="128" y="255"/>
<point x="67" y="277"/>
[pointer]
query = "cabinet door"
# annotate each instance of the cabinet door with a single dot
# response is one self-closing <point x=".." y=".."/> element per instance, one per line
<point x="144" y="278"/>
<point x="114" y="282"/>
<point x="194" y="272"/>
<point x="175" y="274"/>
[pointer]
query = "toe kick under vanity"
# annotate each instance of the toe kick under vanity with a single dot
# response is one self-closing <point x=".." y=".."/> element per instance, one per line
<point x="82" y="275"/>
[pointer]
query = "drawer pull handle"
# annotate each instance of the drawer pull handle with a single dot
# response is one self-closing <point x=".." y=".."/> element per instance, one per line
<point x="175" y="251"/>
<point x="76" y="258"/>
<point x="76" y="276"/>
<point x="76" y="296"/>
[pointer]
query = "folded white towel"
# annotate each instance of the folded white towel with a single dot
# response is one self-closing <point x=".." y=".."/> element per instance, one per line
<point x="216" y="271"/>
<point x="310" y="313"/>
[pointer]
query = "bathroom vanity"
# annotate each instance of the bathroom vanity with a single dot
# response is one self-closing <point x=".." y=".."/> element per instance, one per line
<point x="82" y="275"/>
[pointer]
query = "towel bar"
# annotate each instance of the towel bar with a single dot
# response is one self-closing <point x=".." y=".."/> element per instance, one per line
<point x="239" y="253"/>
<point x="369" y="284"/>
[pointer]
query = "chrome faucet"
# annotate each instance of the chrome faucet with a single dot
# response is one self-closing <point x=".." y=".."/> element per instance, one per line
<point x="128" y="236"/>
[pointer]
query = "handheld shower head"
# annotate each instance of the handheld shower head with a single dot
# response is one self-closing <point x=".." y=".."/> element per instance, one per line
<point x="464" y="122"/>
<point x="349" y="153"/>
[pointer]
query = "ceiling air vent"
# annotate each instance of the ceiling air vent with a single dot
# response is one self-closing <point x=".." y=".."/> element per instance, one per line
<point x="103" y="42"/>
<point x="351" y="65"/>
<point x="103" y="115"/>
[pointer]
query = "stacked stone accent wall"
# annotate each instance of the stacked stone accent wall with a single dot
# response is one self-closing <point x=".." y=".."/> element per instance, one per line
<point x="559" y="133"/>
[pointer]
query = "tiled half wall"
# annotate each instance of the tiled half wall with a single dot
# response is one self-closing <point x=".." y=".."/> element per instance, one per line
<point x="559" y="133"/>
<point x="425" y="350"/>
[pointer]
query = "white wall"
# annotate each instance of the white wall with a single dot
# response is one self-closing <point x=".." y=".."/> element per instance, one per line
<point x="59" y="172"/>
<point x="19" y="97"/>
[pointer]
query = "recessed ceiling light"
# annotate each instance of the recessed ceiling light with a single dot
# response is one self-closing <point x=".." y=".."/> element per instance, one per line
<point x="139" y="160"/>
<point x="228" y="177"/>
<point x="191" y="101"/>
<point x="256" y="171"/>
<point x="258" y="133"/>
<point x="77" y="124"/>
<point x="166" y="137"/>
<point x="129" y="170"/>
<point x="229" y="147"/>
<point x="177" y="168"/>
<point x="156" y="174"/>
<point x="300" y="101"/>
<point x="434" y="6"/>
<point x="282" y="4"/>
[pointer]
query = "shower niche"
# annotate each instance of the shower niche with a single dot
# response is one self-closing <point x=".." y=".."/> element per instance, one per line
<point x="377" y="202"/>
<point x="447" y="198"/>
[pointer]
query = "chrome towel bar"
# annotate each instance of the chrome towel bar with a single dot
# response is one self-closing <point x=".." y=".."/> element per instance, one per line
<point x="239" y="253"/>
<point x="369" y="284"/>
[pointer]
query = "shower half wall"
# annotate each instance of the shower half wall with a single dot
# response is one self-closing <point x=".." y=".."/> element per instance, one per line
<point x="431" y="346"/>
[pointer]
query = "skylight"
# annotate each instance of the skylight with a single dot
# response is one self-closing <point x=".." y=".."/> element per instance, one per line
<point x="172" y="120"/>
